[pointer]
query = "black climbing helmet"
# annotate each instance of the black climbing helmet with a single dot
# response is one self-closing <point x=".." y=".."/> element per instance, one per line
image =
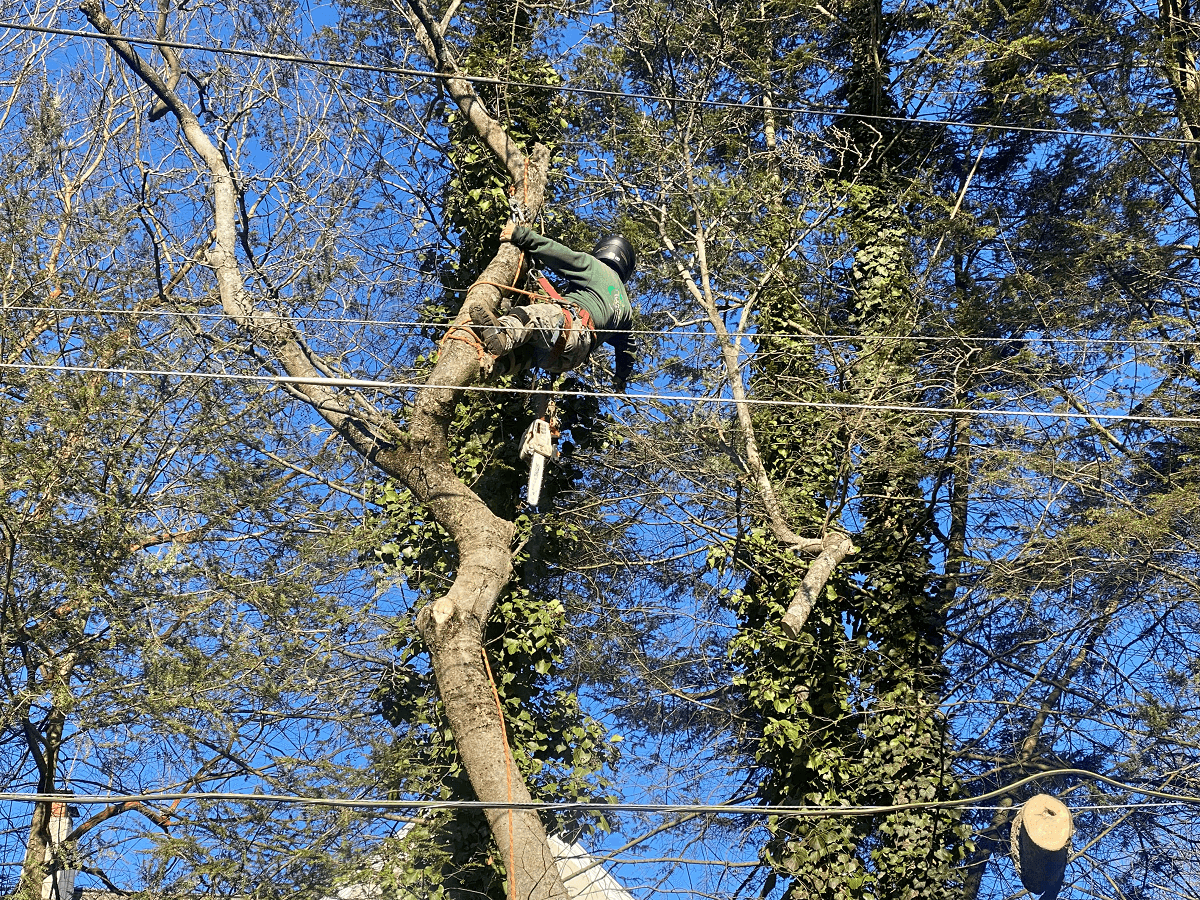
<point x="618" y="254"/>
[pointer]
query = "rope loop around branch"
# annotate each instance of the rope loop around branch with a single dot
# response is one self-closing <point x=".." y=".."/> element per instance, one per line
<point x="466" y="335"/>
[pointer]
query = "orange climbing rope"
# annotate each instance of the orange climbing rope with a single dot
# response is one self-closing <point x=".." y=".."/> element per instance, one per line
<point x="512" y="856"/>
<point x="516" y="290"/>
<point x="468" y="337"/>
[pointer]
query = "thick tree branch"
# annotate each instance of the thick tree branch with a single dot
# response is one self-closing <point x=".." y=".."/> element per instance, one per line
<point x="170" y="56"/>
<point x="366" y="430"/>
<point x="116" y="809"/>
<point x="836" y="547"/>
<point x="829" y="550"/>
<point x="463" y="93"/>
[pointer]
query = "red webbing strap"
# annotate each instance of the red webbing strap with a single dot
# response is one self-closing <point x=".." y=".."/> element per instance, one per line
<point x="585" y="319"/>
<point x="549" y="288"/>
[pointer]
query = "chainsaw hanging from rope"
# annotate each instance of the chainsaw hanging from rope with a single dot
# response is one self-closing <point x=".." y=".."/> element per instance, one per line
<point x="538" y="444"/>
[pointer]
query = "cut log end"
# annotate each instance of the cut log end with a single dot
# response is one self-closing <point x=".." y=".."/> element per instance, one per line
<point x="793" y="625"/>
<point x="1041" y="833"/>
<point x="1048" y="822"/>
<point x="441" y="610"/>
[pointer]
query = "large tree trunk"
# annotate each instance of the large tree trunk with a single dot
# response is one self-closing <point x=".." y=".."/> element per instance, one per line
<point x="1183" y="75"/>
<point x="454" y="636"/>
<point x="453" y="625"/>
<point x="44" y="748"/>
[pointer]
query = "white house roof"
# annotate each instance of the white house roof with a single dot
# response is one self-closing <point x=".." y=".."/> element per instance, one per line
<point x="582" y="876"/>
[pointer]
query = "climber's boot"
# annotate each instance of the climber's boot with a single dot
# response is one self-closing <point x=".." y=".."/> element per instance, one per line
<point x="496" y="338"/>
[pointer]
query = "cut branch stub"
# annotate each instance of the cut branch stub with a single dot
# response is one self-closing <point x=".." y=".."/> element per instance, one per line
<point x="1041" y="833"/>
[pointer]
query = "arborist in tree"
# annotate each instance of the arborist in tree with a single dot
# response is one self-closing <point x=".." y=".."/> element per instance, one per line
<point x="562" y="332"/>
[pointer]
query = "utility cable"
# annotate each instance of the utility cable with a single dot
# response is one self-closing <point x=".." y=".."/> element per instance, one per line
<point x="691" y="332"/>
<point x="589" y="806"/>
<point x="394" y="386"/>
<point x="592" y="92"/>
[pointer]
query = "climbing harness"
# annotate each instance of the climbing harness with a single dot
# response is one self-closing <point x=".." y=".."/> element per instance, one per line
<point x="545" y="285"/>
<point x="584" y="317"/>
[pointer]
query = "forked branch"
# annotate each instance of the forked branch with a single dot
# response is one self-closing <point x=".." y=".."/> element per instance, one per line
<point x="831" y="548"/>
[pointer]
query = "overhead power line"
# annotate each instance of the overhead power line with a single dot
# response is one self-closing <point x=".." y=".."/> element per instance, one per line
<point x="1136" y="341"/>
<point x="664" y="808"/>
<point x="591" y="92"/>
<point x="394" y="386"/>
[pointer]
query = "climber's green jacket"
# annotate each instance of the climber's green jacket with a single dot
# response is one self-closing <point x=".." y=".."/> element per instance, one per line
<point x="592" y="285"/>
